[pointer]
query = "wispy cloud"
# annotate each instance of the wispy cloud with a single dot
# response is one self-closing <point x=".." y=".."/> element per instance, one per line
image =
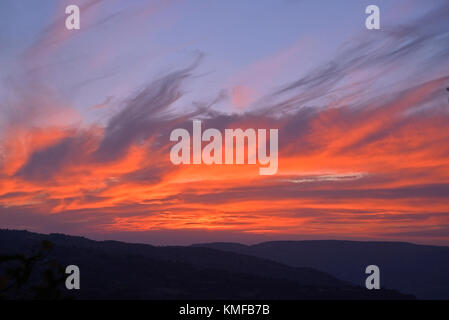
<point x="370" y="163"/>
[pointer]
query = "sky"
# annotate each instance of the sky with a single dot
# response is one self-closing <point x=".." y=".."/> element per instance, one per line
<point x="363" y="119"/>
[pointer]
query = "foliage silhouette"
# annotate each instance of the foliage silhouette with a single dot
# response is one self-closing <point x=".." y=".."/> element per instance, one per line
<point x="17" y="282"/>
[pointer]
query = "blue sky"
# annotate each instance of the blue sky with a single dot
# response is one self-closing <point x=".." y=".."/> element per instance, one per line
<point x="124" y="44"/>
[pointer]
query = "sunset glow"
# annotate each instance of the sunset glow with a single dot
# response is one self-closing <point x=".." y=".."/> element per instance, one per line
<point x="363" y="150"/>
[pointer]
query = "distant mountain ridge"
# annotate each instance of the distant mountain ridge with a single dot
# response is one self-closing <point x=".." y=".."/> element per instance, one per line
<point x="421" y="270"/>
<point x="117" y="270"/>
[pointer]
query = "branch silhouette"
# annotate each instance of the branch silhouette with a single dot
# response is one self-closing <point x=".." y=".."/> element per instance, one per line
<point x="16" y="282"/>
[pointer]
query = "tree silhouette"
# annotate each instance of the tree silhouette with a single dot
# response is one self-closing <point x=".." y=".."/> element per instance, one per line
<point x="17" y="282"/>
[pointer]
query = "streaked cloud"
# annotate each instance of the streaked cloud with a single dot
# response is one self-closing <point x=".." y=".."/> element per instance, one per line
<point x="357" y="159"/>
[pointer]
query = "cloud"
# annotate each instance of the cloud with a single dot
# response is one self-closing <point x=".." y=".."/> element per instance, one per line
<point x="365" y="165"/>
<point x="55" y="34"/>
<point x="145" y="114"/>
<point x="242" y="96"/>
<point x="404" y="48"/>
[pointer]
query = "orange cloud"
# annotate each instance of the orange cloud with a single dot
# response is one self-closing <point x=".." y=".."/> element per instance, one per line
<point x="360" y="166"/>
<point x="362" y="172"/>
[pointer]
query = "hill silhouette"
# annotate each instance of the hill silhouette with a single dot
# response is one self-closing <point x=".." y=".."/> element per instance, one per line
<point x="421" y="270"/>
<point x="117" y="270"/>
